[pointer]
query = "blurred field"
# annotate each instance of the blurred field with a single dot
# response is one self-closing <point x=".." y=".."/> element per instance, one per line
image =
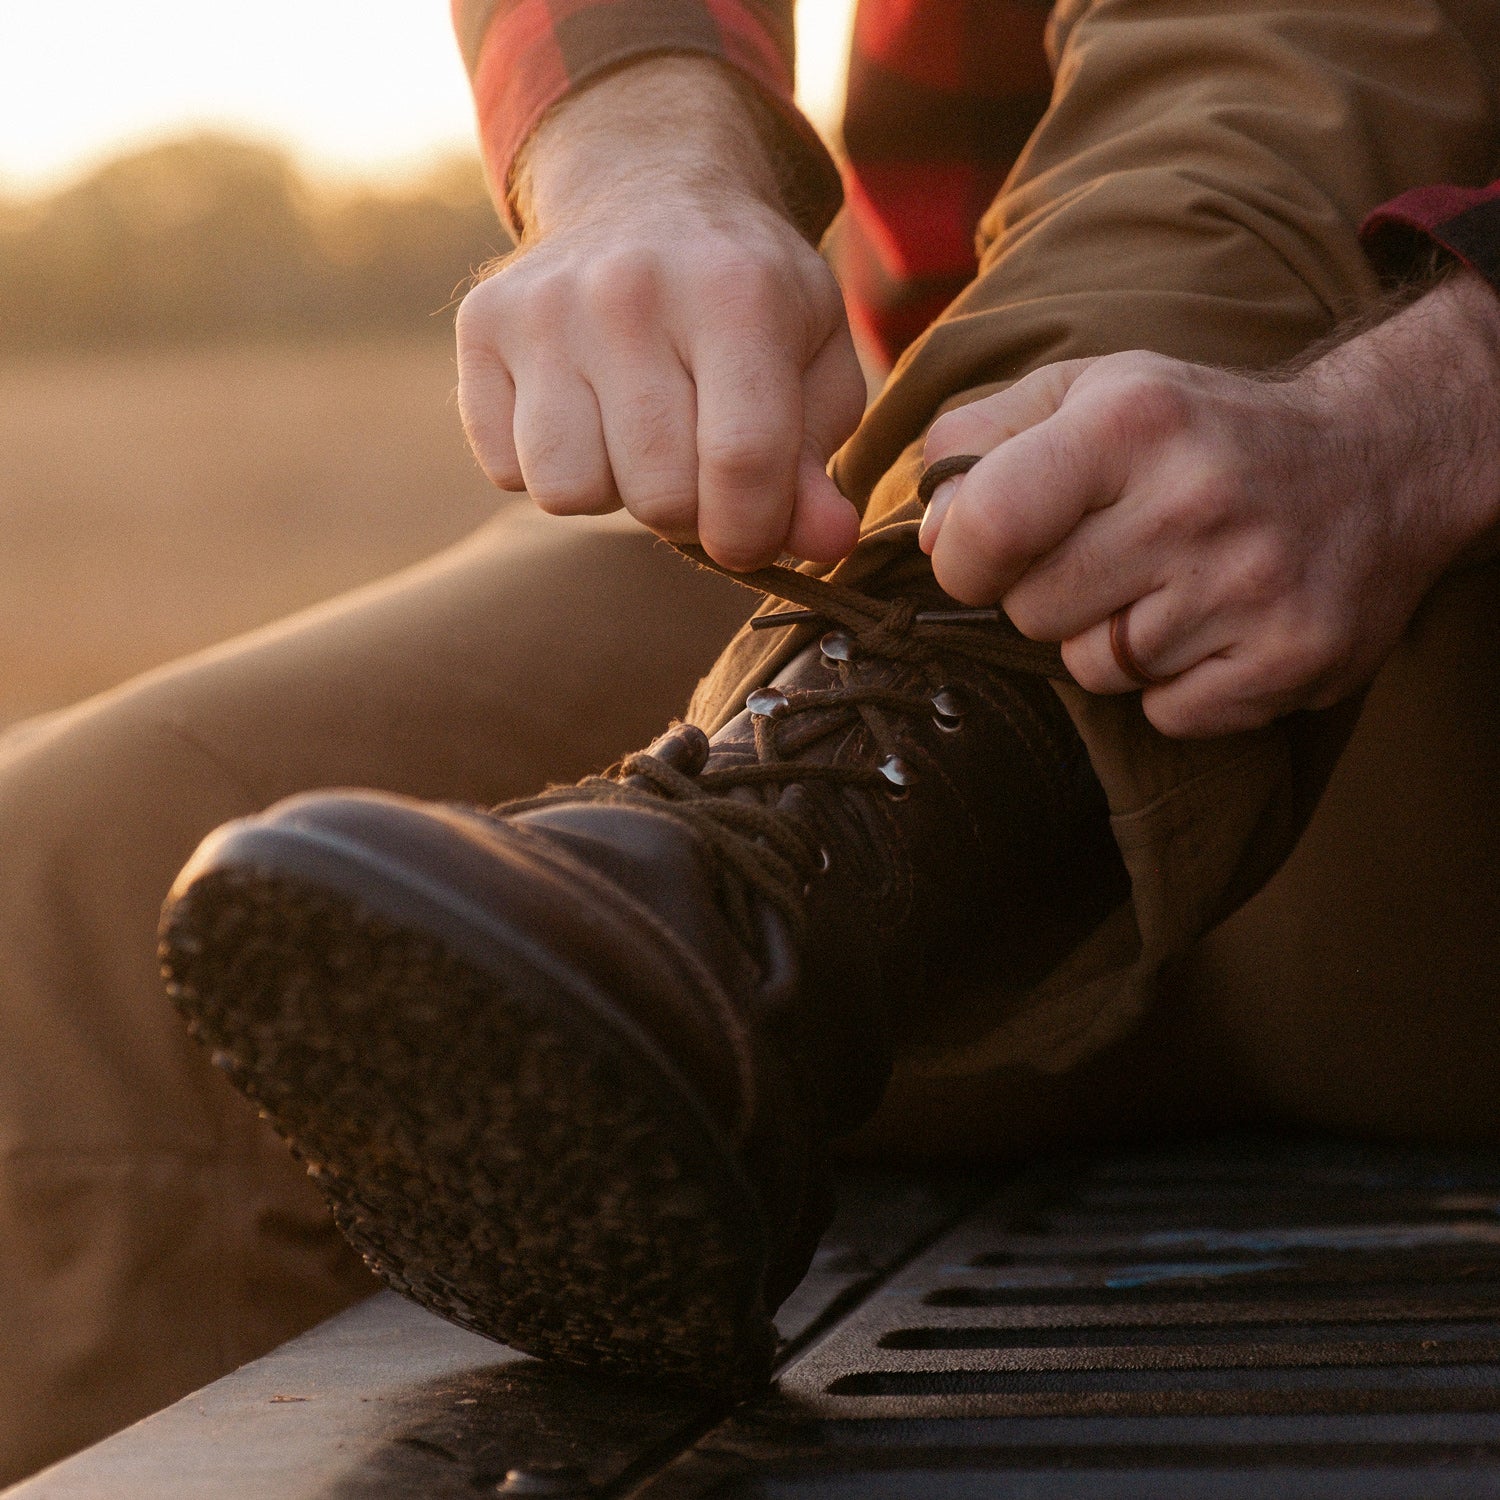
<point x="156" y="500"/>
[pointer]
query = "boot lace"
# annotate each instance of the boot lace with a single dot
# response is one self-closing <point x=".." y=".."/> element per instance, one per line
<point x="772" y="854"/>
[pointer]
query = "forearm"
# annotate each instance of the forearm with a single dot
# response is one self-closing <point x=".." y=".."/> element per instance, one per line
<point x="1412" y="407"/>
<point x="644" y="139"/>
<point x="527" y="63"/>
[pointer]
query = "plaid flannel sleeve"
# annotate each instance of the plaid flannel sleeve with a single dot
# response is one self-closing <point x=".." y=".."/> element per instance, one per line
<point x="525" y="55"/>
<point x="1463" y="221"/>
<point x="943" y="95"/>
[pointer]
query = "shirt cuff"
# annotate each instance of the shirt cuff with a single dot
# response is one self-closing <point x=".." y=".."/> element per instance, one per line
<point x="1463" y="221"/>
<point x="530" y="59"/>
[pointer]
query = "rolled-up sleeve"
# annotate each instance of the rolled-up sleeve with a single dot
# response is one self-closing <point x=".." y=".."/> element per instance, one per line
<point x="1464" y="221"/>
<point x="525" y="55"/>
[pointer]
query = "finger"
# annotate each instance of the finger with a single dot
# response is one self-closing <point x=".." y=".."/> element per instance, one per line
<point x="1166" y="637"/>
<point x="560" y="443"/>
<point x="825" y="525"/>
<point x="1114" y="555"/>
<point x="749" y="449"/>
<point x="1265" y="671"/>
<point x="1019" y="502"/>
<point x="985" y="424"/>
<point x="1221" y="695"/>
<point x="833" y="394"/>
<point x="649" y="415"/>
<point x="487" y="408"/>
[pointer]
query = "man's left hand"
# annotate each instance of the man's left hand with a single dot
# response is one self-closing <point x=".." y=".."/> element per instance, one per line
<point x="1270" y="539"/>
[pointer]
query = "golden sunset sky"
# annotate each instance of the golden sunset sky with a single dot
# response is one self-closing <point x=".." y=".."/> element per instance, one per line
<point x="372" y="88"/>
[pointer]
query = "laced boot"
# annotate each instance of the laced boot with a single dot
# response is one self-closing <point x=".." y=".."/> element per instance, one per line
<point x="567" y="1070"/>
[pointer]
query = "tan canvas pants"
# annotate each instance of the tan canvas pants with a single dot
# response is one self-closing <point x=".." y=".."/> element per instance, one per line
<point x="153" y="1234"/>
<point x="1194" y="190"/>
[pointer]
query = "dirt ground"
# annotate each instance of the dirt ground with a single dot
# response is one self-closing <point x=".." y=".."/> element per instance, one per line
<point x="153" y="503"/>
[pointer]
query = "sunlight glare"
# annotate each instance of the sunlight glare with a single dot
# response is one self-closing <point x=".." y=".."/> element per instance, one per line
<point x="372" y="89"/>
<point x="823" y="31"/>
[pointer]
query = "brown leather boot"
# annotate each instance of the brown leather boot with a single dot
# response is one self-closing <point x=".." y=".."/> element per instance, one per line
<point x="566" y="1071"/>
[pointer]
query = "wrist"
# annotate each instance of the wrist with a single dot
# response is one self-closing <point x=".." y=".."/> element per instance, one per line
<point x="660" y="133"/>
<point x="1409" y="413"/>
<point x="1474" y="301"/>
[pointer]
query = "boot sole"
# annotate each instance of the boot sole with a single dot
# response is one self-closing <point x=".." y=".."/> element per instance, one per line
<point x="494" y="1142"/>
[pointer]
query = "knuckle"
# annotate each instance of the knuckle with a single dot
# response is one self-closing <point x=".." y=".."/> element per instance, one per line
<point x="657" y="467"/>
<point x="561" y="477"/>
<point x="1028" y="614"/>
<point x="1144" y="402"/>
<point x="950" y="433"/>
<point x="530" y="306"/>
<point x="958" y="582"/>
<point x="965" y="572"/>
<point x="659" y="477"/>
<point x="1089" y="672"/>
<point x="475" y="320"/>
<point x="659" y="424"/>
<point x="991" y="535"/>
<point x="1203" y="498"/>
<point x="571" y="495"/>
<point x="620" y="288"/>
<point x="741" y="461"/>
<point x="743" y="287"/>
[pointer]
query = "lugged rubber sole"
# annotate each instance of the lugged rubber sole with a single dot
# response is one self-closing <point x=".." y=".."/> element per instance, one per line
<point x="492" y="1150"/>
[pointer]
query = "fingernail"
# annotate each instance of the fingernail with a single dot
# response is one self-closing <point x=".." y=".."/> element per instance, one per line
<point x="942" y="498"/>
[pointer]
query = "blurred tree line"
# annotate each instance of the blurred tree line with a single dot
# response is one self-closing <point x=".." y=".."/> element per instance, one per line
<point x="210" y="238"/>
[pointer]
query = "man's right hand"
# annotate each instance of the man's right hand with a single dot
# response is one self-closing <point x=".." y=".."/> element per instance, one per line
<point x="664" y="339"/>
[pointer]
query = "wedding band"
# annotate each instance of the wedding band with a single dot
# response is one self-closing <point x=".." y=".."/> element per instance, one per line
<point x="1125" y="658"/>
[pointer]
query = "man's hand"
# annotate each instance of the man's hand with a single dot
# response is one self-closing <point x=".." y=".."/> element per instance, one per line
<point x="1271" y="539"/>
<point x="665" y="339"/>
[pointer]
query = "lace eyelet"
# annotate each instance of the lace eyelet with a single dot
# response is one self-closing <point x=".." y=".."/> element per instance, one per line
<point x="768" y="703"/>
<point x="825" y="864"/>
<point x="837" y="646"/>
<point x="900" y="777"/>
<point x="949" y="706"/>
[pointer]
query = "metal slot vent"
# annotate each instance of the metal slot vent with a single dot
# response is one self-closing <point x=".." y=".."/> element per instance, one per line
<point x="1240" y="1319"/>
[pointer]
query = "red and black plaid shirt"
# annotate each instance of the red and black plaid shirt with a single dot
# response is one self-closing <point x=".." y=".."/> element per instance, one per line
<point x="942" y="96"/>
<point x="1464" y="221"/>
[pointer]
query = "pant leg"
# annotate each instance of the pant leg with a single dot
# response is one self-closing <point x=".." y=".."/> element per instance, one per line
<point x="1360" y="989"/>
<point x="153" y="1233"/>
<point x="1195" y="189"/>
